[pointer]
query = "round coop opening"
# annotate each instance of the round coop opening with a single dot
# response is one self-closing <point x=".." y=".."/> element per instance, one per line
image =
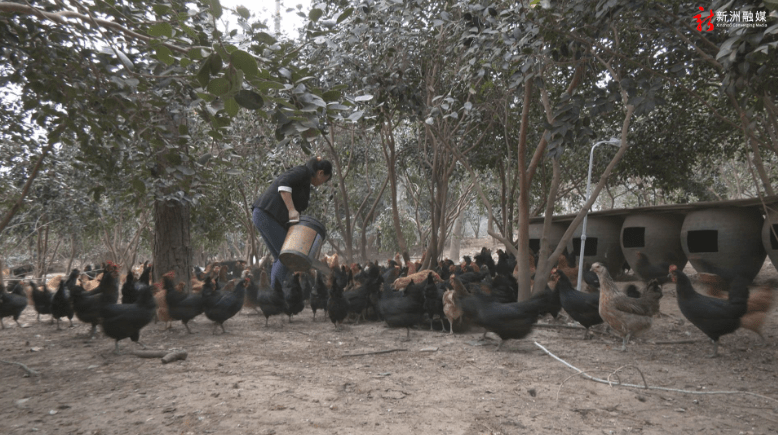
<point x="657" y="236"/>
<point x="555" y="234"/>
<point x="602" y="242"/>
<point x="769" y="239"/>
<point x="724" y="241"/>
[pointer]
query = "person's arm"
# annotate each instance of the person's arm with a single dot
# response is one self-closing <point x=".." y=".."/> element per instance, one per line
<point x="294" y="215"/>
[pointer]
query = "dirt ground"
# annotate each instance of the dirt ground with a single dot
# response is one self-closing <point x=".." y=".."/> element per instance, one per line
<point x="306" y="377"/>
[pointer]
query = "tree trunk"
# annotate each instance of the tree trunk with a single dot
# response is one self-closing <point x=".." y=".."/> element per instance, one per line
<point x="172" y="248"/>
<point x="387" y="139"/>
<point x="524" y="179"/>
<point x="456" y="239"/>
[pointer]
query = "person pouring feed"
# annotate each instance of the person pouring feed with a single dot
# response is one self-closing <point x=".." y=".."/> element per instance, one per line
<point x="280" y="206"/>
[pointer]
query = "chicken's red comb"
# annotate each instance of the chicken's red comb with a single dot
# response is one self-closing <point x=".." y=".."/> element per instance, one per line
<point x="171" y="274"/>
<point x="673" y="267"/>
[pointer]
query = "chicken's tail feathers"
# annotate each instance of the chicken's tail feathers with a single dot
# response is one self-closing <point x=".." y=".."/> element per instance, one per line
<point x="738" y="295"/>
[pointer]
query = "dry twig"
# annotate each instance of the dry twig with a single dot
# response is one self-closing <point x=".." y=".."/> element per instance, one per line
<point x="372" y="353"/>
<point x="29" y="371"/>
<point x="646" y="386"/>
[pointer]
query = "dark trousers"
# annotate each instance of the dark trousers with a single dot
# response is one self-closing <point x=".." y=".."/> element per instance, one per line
<point x="274" y="235"/>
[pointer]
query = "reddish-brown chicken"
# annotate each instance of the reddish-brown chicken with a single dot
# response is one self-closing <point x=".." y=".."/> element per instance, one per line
<point x="403" y="281"/>
<point x="627" y="316"/>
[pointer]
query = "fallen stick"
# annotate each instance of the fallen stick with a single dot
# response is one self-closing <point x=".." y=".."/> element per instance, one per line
<point x="646" y="386"/>
<point x="675" y="342"/>
<point x="372" y="353"/>
<point x="29" y="371"/>
<point x="150" y="353"/>
<point x="174" y="356"/>
<point x="166" y="355"/>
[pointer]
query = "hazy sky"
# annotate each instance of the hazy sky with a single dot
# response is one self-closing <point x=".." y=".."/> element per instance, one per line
<point x="265" y="9"/>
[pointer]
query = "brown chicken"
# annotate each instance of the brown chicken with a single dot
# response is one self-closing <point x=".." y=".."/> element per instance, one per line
<point x="403" y="281"/>
<point x="627" y="316"/>
<point x="564" y="267"/>
<point x="451" y="300"/>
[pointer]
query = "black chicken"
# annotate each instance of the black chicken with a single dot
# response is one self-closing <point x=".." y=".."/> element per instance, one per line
<point x="509" y="321"/>
<point x="129" y="295"/>
<point x="319" y="297"/>
<point x="583" y="307"/>
<point x="61" y="304"/>
<point x="260" y="282"/>
<point x="337" y="305"/>
<point x="272" y="301"/>
<point x="41" y="300"/>
<point x="87" y="304"/>
<point x="403" y="309"/>
<point x="433" y="301"/>
<point x="365" y="296"/>
<point x="293" y="295"/>
<point x="220" y="305"/>
<point x="715" y="317"/>
<point x="180" y="305"/>
<point x="648" y="271"/>
<point x="130" y="291"/>
<point x="13" y="303"/>
<point x="484" y="258"/>
<point x="122" y="321"/>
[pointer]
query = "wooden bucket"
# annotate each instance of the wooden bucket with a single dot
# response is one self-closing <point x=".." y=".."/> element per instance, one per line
<point x="302" y="244"/>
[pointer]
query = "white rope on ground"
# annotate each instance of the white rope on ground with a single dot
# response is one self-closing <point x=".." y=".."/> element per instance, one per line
<point x="645" y="386"/>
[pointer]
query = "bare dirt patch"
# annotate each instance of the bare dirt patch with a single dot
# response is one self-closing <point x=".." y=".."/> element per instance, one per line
<point x="298" y="378"/>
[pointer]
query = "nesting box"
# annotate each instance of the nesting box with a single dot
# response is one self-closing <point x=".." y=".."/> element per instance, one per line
<point x="602" y="242"/>
<point x="658" y="236"/>
<point x="724" y="240"/>
<point x="555" y="234"/>
<point x="769" y="240"/>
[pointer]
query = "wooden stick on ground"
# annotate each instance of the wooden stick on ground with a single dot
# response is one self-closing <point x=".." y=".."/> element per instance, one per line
<point x="166" y="355"/>
<point x="372" y="353"/>
<point x="29" y="371"/>
<point x="646" y="387"/>
<point x="675" y="342"/>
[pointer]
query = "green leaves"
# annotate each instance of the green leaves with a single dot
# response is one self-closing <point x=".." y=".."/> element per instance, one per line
<point x="160" y="30"/>
<point x="249" y="100"/>
<point x="244" y="62"/>
<point x="219" y="86"/>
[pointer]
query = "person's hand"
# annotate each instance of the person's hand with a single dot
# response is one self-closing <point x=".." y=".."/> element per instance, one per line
<point x="294" y="216"/>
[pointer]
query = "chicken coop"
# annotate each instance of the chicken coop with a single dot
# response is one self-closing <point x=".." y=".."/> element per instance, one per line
<point x="724" y="241"/>
<point x="602" y="242"/>
<point x="657" y="235"/>
<point x="554" y="235"/>
<point x="769" y="239"/>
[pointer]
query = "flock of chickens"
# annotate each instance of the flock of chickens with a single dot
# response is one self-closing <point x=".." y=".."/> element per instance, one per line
<point x="479" y="292"/>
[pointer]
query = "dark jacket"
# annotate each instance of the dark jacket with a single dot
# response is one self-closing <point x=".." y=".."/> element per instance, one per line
<point x="299" y="180"/>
